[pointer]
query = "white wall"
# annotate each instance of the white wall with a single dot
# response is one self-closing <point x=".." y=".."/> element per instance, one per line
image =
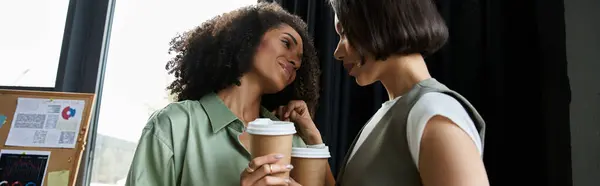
<point x="583" y="54"/>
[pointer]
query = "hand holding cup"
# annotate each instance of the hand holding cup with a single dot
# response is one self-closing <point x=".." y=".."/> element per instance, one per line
<point x="261" y="169"/>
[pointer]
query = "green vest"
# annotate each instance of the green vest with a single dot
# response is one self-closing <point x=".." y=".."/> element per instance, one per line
<point x="384" y="157"/>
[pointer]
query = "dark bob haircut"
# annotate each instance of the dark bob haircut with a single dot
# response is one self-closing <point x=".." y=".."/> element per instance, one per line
<point x="218" y="53"/>
<point x="382" y="28"/>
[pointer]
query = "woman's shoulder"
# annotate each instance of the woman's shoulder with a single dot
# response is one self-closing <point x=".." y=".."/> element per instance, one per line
<point x="177" y="111"/>
<point x="437" y="103"/>
<point x="174" y="116"/>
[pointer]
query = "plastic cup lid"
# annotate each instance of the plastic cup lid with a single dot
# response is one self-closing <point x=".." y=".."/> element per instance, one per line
<point x="310" y="152"/>
<point x="266" y="126"/>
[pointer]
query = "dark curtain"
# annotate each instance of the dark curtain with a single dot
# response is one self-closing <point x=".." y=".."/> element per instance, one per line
<point x="507" y="57"/>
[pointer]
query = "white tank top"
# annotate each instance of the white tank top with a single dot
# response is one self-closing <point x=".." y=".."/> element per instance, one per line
<point x="429" y="105"/>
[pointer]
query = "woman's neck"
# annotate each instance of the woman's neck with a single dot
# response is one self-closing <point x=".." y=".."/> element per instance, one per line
<point x="402" y="73"/>
<point x="243" y="100"/>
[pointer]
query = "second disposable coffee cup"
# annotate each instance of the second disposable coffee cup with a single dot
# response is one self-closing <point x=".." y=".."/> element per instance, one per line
<point x="269" y="137"/>
<point x="310" y="165"/>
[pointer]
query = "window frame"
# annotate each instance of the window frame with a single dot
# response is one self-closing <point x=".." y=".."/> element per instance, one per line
<point x="85" y="64"/>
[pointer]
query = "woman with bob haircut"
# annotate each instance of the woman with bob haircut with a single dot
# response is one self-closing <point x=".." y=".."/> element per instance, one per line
<point x="426" y="134"/>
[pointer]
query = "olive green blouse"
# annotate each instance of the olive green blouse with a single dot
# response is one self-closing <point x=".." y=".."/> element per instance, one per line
<point x="192" y="143"/>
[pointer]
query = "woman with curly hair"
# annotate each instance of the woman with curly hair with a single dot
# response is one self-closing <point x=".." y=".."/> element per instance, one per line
<point x="225" y="70"/>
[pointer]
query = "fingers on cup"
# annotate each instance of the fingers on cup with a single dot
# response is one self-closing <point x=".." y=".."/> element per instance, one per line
<point x="272" y="180"/>
<point x="260" y="161"/>
<point x="249" y="170"/>
<point x="276" y="168"/>
<point x="262" y="166"/>
<point x="261" y="174"/>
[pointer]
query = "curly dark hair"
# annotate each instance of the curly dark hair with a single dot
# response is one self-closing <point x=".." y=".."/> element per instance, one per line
<point x="216" y="54"/>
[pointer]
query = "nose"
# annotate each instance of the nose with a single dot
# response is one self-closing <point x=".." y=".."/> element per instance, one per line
<point x="339" y="52"/>
<point x="295" y="64"/>
<point x="294" y="60"/>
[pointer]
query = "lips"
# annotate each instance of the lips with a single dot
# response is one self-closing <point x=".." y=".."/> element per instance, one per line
<point x="288" y="68"/>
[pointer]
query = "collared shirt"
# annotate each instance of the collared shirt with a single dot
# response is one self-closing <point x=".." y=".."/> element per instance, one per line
<point x="192" y="143"/>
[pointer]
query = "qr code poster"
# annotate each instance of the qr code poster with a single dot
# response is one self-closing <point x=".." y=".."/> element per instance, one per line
<point x="46" y="123"/>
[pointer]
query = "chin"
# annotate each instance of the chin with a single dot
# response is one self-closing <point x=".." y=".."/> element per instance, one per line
<point x="275" y="87"/>
<point x="273" y="90"/>
<point x="363" y="81"/>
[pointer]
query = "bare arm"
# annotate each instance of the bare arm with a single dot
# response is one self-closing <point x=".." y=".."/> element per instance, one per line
<point x="329" y="180"/>
<point x="449" y="157"/>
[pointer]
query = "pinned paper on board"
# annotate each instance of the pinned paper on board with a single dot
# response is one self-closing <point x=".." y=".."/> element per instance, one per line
<point x="58" y="178"/>
<point x="46" y="123"/>
<point x="2" y="120"/>
<point x="18" y="167"/>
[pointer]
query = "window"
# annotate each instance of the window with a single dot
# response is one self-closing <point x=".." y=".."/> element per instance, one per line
<point x="135" y="75"/>
<point x="30" y="41"/>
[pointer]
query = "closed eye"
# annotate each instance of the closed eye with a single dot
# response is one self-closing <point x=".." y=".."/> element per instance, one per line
<point x="286" y="43"/>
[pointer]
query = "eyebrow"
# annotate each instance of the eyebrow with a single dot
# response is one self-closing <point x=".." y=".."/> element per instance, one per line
<point x="293" y="38"/>
<point x="295" y="42"/>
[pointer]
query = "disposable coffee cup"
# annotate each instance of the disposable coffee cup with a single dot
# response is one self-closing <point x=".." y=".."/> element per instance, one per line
<point x="269" y="137"/>
<point x="310" y="165"/>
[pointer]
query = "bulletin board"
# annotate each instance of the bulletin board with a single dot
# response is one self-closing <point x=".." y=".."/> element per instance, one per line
<point x="62" y="160"/>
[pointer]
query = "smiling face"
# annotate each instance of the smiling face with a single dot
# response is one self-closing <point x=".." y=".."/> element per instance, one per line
<point x="277" y="58"/>
<point x="365" y="73"/>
